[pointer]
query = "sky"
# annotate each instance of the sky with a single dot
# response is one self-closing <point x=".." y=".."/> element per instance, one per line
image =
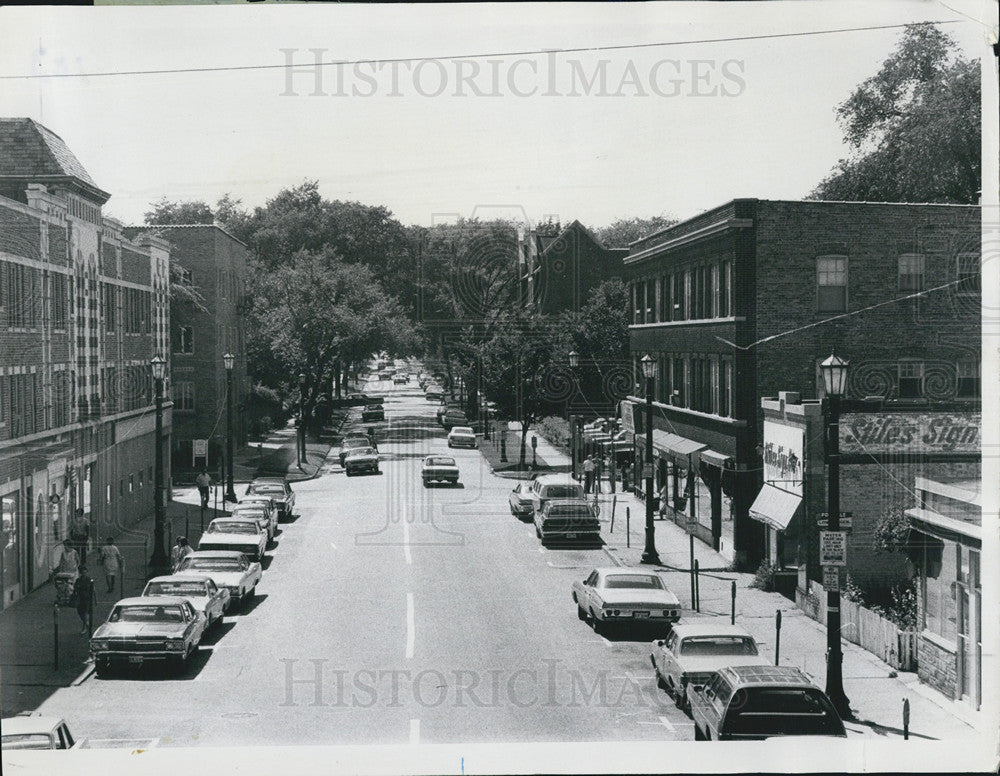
<point x="443" y="115"/>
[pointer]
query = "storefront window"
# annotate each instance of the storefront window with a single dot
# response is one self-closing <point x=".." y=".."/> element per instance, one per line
<point x="10" y="559"/>
<point x="941" y="610"/>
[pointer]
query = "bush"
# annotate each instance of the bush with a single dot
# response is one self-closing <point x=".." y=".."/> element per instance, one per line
<point x="764" y="577"/>
<point x="891" y="532"/>
<point x="555" y="430"/>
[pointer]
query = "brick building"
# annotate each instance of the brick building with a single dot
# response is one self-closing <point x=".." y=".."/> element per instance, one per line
<point x="82" y="311"/>
<point x="744" y="301"/>
<point x="213" y="263"/>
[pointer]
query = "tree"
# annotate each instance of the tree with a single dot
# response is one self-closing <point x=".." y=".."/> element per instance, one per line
<point x="167" y="212"/>
<point x="914" y="127"/>
<point x="627" y="230"/>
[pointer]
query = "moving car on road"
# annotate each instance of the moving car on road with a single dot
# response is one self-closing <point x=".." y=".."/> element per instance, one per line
<point x="361" y="459"/>
<point x="751" y="703"/>
<point x="694" y="650"/>
<point x="235" y="533"/>
<point x="352" y="442"/>
<point x="439" y="468"/>
<point x="30" y="730"/>
<point x="520" y="501"/>
<point x="153" y="629"/>
<point x="401" y="379"/>
<point x="462" y="436"/>
<point x="372" y="412"/>
<point x="618" y="596"/>
<point x="278" y="489"/>
<point x="570" y="519"/>
<point x="207" y="597"/>
<point x="227" y="569"/>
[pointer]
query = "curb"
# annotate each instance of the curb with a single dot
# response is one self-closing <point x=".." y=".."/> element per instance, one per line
<point x="84" y="675"/>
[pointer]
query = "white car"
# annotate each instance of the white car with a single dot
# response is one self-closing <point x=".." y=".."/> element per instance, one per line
<point x="30" y="730"/>
<point x="616" y="595"/>
<point x="228" y="569"/>
<point x="207" y="597"/>
<point x="439" y="468"/>
<point x="265" y="501"/>
<point x="462" y="436"/>
<point x="265" y="518"/>
<point x="242" y="534"/>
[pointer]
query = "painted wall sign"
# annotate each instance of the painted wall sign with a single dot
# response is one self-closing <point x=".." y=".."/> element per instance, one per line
<point x="910" y="432"/>
<point x="783" y="451"/>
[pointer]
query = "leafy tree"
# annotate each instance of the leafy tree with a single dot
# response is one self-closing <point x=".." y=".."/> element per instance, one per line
<point x="167" y="212"/>
<point x="627" y="230"/>
<point x="914" y="127"/>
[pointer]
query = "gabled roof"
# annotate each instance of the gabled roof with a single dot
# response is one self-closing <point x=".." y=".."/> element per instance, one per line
<point x="30" y="151"/>
<point x="577" y="226"/>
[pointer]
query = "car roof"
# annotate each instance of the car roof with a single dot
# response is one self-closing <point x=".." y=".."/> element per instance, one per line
<point x="563" y="502"/>
<point x="269" y="481"/>
<point x="29" y="723"/>
<point x="462" y="430"/>
<point x="632" y="572"/>
<point x="556" y="479"/>
<point x="149" y="600"/>
<point x="708" y="628"/>
<point x="439" y="455"/>
<point x="760" y="676"/>
<point x="235" y="519"/>
<point x="179" y="578"/>
<point x="227" y="554"/>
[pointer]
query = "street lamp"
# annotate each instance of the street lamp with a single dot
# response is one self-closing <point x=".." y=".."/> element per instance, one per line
<point x="302" y="418"/>
<point x="574" y="362"/>
<point x="649" y="554"/>
<point x="229" y="359"/>
<point x="835" y="382"/>
<point x="159" y="563"/>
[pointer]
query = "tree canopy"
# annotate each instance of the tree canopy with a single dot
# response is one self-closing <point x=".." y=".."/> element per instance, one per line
<point x="627" y="230"/>
<point x="914" y="127"/>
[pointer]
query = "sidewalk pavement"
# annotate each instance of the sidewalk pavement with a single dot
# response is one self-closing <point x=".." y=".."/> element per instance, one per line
<point x="31" y="628"/>
<point x="875" y="689"/>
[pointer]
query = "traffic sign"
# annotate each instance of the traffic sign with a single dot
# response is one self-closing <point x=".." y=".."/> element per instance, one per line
<point x="647" y="471"/>
<point x="846" y="521"/>
<point x="200" y="448"/>
<point x="833" y="548"/>
<point x="831" y="578"/>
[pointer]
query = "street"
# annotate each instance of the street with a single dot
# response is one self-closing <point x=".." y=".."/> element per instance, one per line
<point x="390" y="613"/>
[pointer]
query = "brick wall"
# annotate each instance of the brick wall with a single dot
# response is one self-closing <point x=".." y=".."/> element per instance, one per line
<point x="135" y="267"/>
<point x="937" y="667"/>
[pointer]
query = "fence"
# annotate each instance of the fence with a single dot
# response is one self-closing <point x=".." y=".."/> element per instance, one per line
<point x="868" y="630"/>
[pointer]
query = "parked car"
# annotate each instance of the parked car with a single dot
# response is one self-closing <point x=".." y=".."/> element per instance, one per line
<point x="400" y="379"/>
<point x="258" y="512"/>
<point x="384" y="375"/>
<point x="372" y="412"/>
<point x="757" y="702"/>
<point x="570" y="519"/>
<point x="694" y="650"/>
<point x="208" y="598"/>
<point x="228" y="569"/>
<point x="434" y="393"/>
<point x="278" y="489"/>
<point x="617" y="595"/>
<point x="454" y="417"/>
<point x="352" y="442"/>
<point x="31" y="730"/>
<point x="550" y="486"/>
<point x="520" y="501"/>
<point x="269" y="505"/>
<point x="235" y="533"/>
<point x="153" y="629"/>
<point x="462" y="436"/>
<point x="439" y="468"/>
<point x="361" y="459"/>
<point x="440" y="412"/>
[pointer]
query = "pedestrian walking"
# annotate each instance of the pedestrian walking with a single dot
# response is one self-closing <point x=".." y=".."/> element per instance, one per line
<point x="588" y="474"/>
<point x="204" y="481"/>
<point x="179" y="552"/>
<point x="371" y="438"/>
<point x="83" y="593"/>
<point x="79" y="533"/>
<point x="114" y="564"/>
<point x="625" y="470"/>
<point x="598" y="473"/>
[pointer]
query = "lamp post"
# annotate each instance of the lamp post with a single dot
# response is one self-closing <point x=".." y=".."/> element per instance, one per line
<point x="574" y="362"/>
<point x="649" y="554"/>
<point x="159" y="563"/>
<point x="835" y="382"/>
<point x="302" y="418"/>
<point x="229" y="359"/>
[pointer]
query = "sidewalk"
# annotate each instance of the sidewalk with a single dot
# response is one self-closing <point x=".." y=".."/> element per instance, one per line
<point x="875" y="689"/>
<point x="28" y="629"/>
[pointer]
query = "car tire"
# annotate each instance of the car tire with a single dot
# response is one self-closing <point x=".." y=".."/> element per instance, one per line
<point x="681" y="698"/>
<point x="248" y="598"/>
<point x="660" y="682"/>
<point x="102" y="667"/>
<point x="600" y="628"/>
<point x="698" y="735"/>
<point x="580" y="613"/>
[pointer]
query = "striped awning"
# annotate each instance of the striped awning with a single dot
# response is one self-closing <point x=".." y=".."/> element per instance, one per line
<point x="775" y="507"/>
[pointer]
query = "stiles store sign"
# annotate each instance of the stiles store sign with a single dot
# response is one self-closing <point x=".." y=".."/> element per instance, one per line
<point x="909" y="432"/>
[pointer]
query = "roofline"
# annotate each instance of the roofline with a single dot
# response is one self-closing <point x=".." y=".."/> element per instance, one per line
<point x="69" y="180"/>
<point x="215" y="225"/>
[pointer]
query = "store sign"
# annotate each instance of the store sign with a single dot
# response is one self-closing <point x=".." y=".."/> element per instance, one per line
<point x="832" y="548"/>
<point x="910" y="432"/>
<point x="628" y="419"/>
<point x="783" y="453"/>
<point x="200" y="448"/>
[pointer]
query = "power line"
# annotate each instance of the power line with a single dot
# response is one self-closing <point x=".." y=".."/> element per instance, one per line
<point x="529" y="52"/>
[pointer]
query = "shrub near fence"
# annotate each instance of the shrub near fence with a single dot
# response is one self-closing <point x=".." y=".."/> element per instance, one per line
<point x="554" y="430"/>
<point x="869" y="630"/>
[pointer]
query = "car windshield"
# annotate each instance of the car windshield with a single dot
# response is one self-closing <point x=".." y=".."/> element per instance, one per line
<point x="440" y="461"/>
<point x="358" y="442"/>
<point x="212" y="564"/>
<point x="638" y="581"/>
<point x="563" y="491"/>
<point x="363" y="451"/>
<point x="146" y="614"/>
<point x="239" y="528"/>
<point x="269" y="489"/>
<point x="463" y="430"/>
<point x="27" y="741"/>
<point x="175" y="588"/>
<point x="561" y="510"/>
<point x="249" y="509"/>
<point x="717" y="646"/>
<point x="782" y="711"/>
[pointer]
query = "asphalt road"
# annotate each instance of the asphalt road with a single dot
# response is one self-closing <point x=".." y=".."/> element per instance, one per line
<point x="390" y="613"/>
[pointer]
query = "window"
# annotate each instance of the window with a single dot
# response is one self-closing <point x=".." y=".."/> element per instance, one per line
<point x="686" y="301"/>
<point x="968" y="274"/>
<point x="911" y="272"/>
<point x="831" y="282"/>
<point x="184" y="340"/>
<point x="666" y="300"/>
<point x="638" y="299"/>
<point x="969" y="382"/>
<point x="725" y="283"/>
<point x="911" y="379"/>
<point x="109" y="304"/>
<point x="183" y="396"/>
<point x="58" y="283"/>
<point x="677" y="382"/>
<point x="726" y="390"/>
<point x="650" y="301"/>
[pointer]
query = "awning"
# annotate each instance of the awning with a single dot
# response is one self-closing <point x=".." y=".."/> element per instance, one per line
<point x="673" y="445"/>
<point x="715" y="459"/>
<point x="775" y="507"/>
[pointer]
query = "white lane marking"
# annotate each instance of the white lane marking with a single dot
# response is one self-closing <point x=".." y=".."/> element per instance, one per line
<point x="667" y="725"/>
<point x="414" y="731"/>
<point x="406" y="542"/>
<point x="410" y="636"/>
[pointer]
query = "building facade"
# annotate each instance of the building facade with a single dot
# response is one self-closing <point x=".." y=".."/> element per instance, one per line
<point x="746" y="300"/>
<point x="213" y="264"/>
<point x="82" y="311"/>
